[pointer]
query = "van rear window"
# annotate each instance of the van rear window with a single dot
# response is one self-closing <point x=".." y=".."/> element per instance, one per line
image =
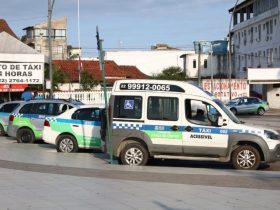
<point x="162" y="108"/>
<point x="128" y="107"/>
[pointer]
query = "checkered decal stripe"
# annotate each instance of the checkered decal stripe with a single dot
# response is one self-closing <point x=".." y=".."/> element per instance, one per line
<point x="132" y="126"/>
<point x="51" y="119"/>
<point x="17" y="114"/>
<point x="245" y="131"/>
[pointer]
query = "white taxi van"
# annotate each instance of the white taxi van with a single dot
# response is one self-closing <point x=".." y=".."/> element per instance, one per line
<point x="177" y="120"/>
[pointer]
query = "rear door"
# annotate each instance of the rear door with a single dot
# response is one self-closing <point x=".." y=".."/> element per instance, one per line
<point x="85" y="125"/>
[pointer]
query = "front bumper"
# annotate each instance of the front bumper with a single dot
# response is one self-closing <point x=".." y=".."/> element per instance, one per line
<point x="275" y="154"/>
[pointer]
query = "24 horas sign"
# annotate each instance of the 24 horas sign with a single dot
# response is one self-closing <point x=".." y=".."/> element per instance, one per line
<point x="21" y="73"/>
<point x="239" y="87"/>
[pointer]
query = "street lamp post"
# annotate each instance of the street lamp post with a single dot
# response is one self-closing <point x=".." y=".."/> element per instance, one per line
<point x="50" y="8"/>
<point x="211" y="67"/>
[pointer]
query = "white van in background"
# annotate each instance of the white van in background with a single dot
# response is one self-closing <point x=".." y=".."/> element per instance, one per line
<point x="177" y="120"/>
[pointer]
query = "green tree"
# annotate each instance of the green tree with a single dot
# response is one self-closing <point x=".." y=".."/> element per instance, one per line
<point x="171" y="73"/>
<point x="59" y="77"/>
<point x="87" y="80"/>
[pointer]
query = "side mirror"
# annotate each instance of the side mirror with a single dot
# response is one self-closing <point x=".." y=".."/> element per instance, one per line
<point x="221" y="121"/>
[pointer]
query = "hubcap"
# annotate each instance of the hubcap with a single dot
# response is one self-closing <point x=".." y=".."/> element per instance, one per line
<point x="246" y="159"/>
<point x="66" y="145"/>
<point x="261" y="111"/>
<point x="26" y="137"/>
<point x="134" y="156"/>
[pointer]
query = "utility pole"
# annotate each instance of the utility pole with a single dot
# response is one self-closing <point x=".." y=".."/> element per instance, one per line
<point x="50" y="8"/>
<point x="211" y="67"/>
<point x="101" y="63"/>
<point x="79" y="43"/>
<point x="199" y="65"/>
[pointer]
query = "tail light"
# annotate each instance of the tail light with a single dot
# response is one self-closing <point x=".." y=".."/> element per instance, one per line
<point x="47" y="123"/>
<point x="11" y="118"/>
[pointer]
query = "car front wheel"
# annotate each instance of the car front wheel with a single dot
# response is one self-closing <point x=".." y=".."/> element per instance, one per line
<point x="246" y="157"/>
<point x="260" y="111"/>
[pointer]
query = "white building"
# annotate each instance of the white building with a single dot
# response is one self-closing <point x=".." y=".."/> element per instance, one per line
<point x="150" y="61"/>
<point x="154" y="61"/>
<point x="256" y="44"/>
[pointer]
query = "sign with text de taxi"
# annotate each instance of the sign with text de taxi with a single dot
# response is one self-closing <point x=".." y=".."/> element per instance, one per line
<point x="21" y="73"/>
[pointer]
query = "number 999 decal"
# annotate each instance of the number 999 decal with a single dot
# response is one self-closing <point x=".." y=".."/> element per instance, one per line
<point x="150" y="87"/>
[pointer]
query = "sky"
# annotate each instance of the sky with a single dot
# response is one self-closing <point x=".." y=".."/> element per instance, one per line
<point x="127" y="24"/>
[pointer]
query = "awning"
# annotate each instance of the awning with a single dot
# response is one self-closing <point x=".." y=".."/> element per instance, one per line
<point x="12" y="87"/>
<point x="263" y="75"/>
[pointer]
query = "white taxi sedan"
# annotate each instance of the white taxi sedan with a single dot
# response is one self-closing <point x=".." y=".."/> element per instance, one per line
<point x="76" y="128"/>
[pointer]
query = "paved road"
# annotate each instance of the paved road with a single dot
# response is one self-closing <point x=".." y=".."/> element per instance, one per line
<point x="269" y="121"/>
<point x="35" y="176"/>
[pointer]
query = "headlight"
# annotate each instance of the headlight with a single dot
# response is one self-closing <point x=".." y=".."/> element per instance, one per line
<point x="271" y="135"/>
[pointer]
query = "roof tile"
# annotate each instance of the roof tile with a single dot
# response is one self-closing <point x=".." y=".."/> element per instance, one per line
<point x="5" y="27"/>
<point x="113" y="72"/>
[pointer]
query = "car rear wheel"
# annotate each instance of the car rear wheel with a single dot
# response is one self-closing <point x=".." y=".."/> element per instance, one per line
<point x="233" y="110"/>
<point x="2" y="131"/>
<point x="260" y="111"/>
<point x="25" y="135"/>
<point x="134" y="154"/>
<point x="246" y="157"/>
<point x="67" y="144"/>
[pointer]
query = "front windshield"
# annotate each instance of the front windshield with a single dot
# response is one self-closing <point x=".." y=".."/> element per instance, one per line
<point x="227" y="111"/>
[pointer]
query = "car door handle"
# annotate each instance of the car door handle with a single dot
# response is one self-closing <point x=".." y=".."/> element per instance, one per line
<point x="75" y="125"/>
<point x="188" y="128"/>
<point x="174" y="128"/>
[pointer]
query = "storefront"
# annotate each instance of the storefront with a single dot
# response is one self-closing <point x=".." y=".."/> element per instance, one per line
<point x="20" y="66"/>
<point x="269" y="79"/>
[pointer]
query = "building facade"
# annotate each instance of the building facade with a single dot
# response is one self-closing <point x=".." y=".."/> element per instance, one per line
<point x="154" y="61"/>
<point x="37" y="38"/>
<point x="256" y="44"/>
<point x="255" y="35"/>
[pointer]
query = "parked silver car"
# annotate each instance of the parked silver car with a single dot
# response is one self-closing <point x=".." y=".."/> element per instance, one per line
<point x="246" y="105"/>
<point x="26" y="122"/>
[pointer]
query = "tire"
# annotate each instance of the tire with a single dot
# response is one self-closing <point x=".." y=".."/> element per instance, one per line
<point x="233" y="110"/>
<point x="134" y="154"/>
<point x="260" y="111"/>
<point x="25" y="135"/>
<point x="2" y="131"/>
<point x="67" y="144"/>
<point x="246" y="157"/>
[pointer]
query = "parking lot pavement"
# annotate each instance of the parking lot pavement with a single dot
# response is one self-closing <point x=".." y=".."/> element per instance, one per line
<point x="273" y="112"/>
<point x="35" y="176"/>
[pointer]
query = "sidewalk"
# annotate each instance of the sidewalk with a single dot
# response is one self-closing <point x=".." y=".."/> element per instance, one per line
<point x="35" y="176"/>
